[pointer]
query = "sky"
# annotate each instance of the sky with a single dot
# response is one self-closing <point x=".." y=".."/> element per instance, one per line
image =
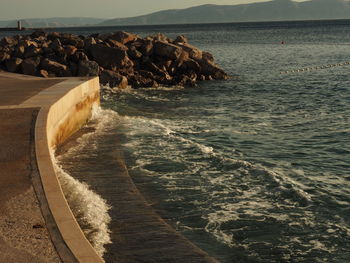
<point x="20" y="9"/>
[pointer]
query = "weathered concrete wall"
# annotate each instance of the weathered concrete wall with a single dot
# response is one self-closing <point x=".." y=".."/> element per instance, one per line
<point x="65" y="107"/>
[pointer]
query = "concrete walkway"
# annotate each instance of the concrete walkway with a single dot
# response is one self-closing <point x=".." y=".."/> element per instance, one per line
<point x="23" y="233"/>
<point x="36" y="224"/>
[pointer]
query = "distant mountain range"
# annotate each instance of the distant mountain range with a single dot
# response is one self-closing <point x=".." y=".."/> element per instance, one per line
<point x="53" y="22"/>
<point x="275" y="10"/>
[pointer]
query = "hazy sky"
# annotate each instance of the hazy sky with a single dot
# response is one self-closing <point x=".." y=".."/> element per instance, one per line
<point x="16" y="9"/>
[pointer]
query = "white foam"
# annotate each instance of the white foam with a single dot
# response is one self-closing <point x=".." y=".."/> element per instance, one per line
<point x="90" y="210"/>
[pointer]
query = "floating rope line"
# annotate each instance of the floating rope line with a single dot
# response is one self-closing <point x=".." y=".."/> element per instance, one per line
<point x="315" y="68"/>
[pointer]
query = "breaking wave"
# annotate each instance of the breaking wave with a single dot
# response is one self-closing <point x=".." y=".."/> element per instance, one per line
<point x="89" y="209"/>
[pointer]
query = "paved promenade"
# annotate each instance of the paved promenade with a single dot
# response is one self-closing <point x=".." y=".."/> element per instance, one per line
<point x="23" y="233"/>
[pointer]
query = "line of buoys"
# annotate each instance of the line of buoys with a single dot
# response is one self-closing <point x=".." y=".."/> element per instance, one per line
<point x="315" y="68"/>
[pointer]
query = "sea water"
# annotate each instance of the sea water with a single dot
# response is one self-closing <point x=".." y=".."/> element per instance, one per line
<point x="253" y="169"/>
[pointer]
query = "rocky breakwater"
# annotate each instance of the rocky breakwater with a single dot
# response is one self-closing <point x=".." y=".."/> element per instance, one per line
<point x="119" y="59"/>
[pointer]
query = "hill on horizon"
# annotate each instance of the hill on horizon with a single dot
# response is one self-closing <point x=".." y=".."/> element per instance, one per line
<point x="275" y="10"/>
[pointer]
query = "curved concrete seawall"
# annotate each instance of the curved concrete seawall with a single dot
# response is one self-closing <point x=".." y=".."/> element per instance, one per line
<point x="37" y="116"/>
<point x="68" y="108"/>
<point x="61" y="107"/>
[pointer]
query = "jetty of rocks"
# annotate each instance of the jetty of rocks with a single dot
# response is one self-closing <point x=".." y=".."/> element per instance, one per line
<point x="119" y="59"/>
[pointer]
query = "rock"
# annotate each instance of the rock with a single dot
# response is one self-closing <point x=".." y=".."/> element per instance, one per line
<point x="123" y="37"/>
<point x="55" y="44"/>
<point x="160" y="37"/>
<point x="113" y="79"/>
<point x="181" y="39"/>
<point x="116" y="44"/>
<point x="60" y="56"/>
<point x="53" y="35"/>
<point x="184" y="80"/>
<point x="4" y="56"/>
<point x="37" y="34"/>
<point x="10" y="41"/>
<point x="31" y="51"/>
<point x="88" y="68"/>
<point x="47" y="50"/>
<point x="88" y="42"/>
<point x="29" y="66"/>
<point x="72" y="40"/>
<point x="191" y="65"/>
<point x="65" y="73"/>
<point x="193" y="52"/>
<point x="43" y="73"/>
<point x="134" y="53"/>
<point x="209" y="68"/>
<point x="79" y="56"/>
<point x="28" y="43"/>
<point x="139" y="81"/>
<point x="19" y="51"/>
<point x="201" y="77"/>
<point x="167" y="50"/>
<point x="147" y="48"/>
<point x="163" y="75"/>
<point x="119" y="58"/>
<point x="146" y="74"/>
<point x="110" y="58"/>
<point x="53" y="66"/>
<point x="73" y="67"/>
<point x="69" y="50"/>
<point x="207" y="56"/>
<point x="13" y="64"/>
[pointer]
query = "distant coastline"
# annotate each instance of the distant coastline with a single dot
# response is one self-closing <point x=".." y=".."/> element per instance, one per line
<point x="151" y="26"/>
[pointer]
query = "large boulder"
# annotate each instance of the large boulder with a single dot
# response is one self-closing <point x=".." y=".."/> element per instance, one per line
<point x="31" y="51"/>
<point x="209" y="68"/>
<point x="13" y="64"/>
<point x="55" y="44"/>
<point x="161" y="75"/>
<point x="53" y="66"/>
<point x="19" y="51"/>
<point x="113" y="79"/>
<point x="120" y="36"/>
<point x="146" y="47"/>
<point x="70" y="50"/>
<point x="79" y="56"/>
<point x="73" y="40"/>
<point x="134" y="53"/>
<point x="191" y="65"/>
<point x="88" y="68"/>
<point x="110" y="58"/>
<point x="88" y="42"/>
<point x="9" y="41"/>
<point x="116" y="44"/>
<point x="167" y="50"/>
<point x="193" y="52"/>
<point x="53" y="35"/>
<point x="29" y="66"/>
<point x="140" y="81"/>
<point x="181" y="39"/>
<point x="43" y="73"/>
<point x="28" y="43"/>
<point x="38" y="33"/>
<point x="4" y="56"/>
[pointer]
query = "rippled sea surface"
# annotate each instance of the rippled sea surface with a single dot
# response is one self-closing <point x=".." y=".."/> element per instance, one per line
<point x="254" y="169"/>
